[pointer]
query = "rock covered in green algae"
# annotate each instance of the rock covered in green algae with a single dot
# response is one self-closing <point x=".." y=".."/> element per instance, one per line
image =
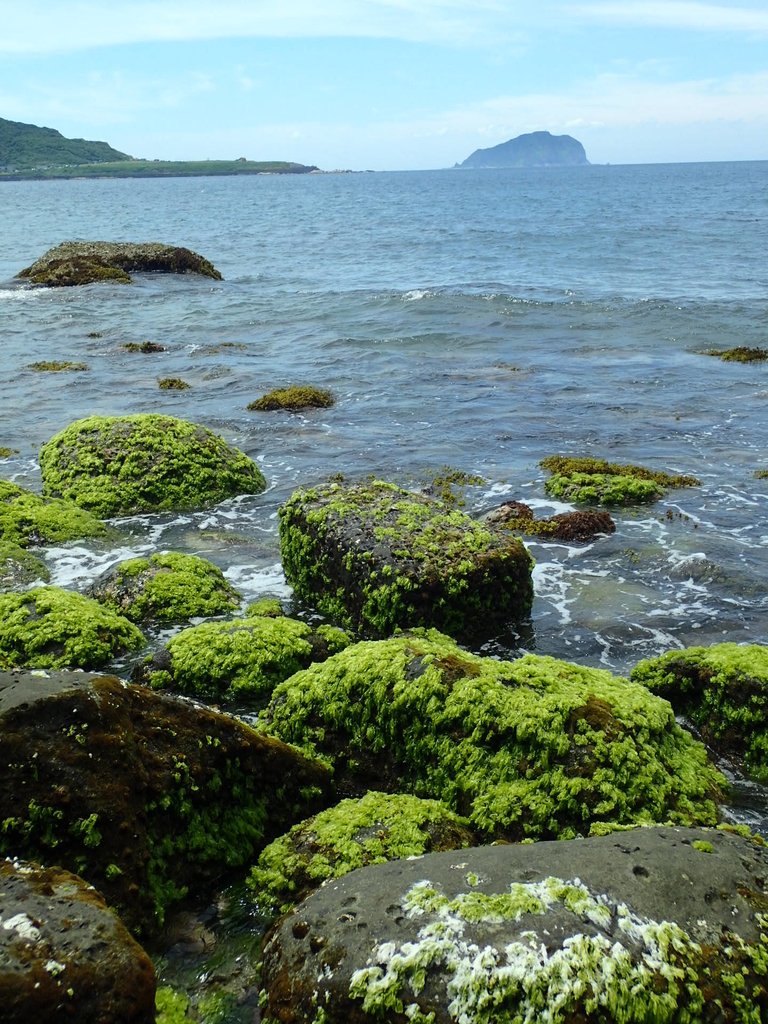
<point x="27" y="519"/>
<point x="65" y="955"/>
<point x="375" y="558"/>
<point x="655" y="926"/>
<point x="74" y="263"/>
<point x="534" y="748"/>
<point x="19" y="567"/>
<point x="242" y="659"/>
<point x="125" y="465"/>
<point x="166" y="587"/>
<point x="48" y="627"/>
<point x="723" y="690"/>
<point x="294" y="399"/>
<point x="145" y="795"/>
<point x="372" y="830"/>
<point x="587" y="480"/>
<point x="581" y="525"/>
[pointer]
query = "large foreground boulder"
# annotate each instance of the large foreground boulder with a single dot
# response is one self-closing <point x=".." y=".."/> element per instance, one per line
<point x="27" y="519"/>
<point x="126" y="465"/>
<point x="64" y="955"/>
<point x="146" y="796"/>
<point x="73" y="263"/>
<point x="533" y="748"/>
<point x="723" y="690"/>
<point x="375" y="558"/>
<point x="650" y="926"/>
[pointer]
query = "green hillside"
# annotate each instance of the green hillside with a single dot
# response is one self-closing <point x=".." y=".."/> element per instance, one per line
<point x="24" y="147"/>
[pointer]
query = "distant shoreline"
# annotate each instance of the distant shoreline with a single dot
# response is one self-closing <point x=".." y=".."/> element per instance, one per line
<point x="158" y="169"/>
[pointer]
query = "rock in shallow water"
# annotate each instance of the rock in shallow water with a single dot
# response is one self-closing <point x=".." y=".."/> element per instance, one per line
<point x="653" y="924"/>
<point x="74" y="263"/>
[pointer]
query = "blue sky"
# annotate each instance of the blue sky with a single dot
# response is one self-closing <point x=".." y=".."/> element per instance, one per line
<point x="391" y="84"/>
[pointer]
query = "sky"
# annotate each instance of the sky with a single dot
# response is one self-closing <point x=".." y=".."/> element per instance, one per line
<point x="391" y="84"/>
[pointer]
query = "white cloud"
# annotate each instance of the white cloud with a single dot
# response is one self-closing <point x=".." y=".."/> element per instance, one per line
<point x="39" y="26"/>
<point x="681" y="14"/>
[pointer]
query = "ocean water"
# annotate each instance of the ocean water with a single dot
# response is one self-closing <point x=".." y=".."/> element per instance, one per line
<point x="480" y="320"/>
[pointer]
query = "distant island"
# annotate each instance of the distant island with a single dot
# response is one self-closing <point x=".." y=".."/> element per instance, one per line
<point x="28" y="151"/>
<point x="537" y="149"/>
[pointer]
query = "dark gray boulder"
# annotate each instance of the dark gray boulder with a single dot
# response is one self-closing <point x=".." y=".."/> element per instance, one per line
<point x="661" y="924"/>
<point x="64" y="955"/>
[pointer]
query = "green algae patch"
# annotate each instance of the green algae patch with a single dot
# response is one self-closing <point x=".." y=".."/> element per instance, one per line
<point x="535" y="748"/>
<point x="723" y="690"/>
<point x="374" y="558"/>
<point x="586" y="480"/>
<point x="166" y="587"/>
<point x="125" y="465"/>
<point x="243" y="659"/>
<point x="377" y="828"/>
<point x="740" y="354"/>
<point x="27" y="519"/>
<point x="48" y="627"/>
<point x="173" y="384"/>
<point x="580" y="525"/>
<point x="18" y="567"/>
<point x="294" y="399"/>
<point x="146" y="347"/>
<point x="55" y="366"/>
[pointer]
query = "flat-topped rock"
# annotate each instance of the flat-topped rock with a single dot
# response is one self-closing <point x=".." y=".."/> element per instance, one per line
<point x="73" y="263"/>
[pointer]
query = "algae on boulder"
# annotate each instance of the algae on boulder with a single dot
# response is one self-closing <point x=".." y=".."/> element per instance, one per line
<point x="74" y="263"/>
<point x="372" y="830"/>
<point x="532" y="748"/>
<point x="166" y="587"/>
<point x="587" y="480"/>
<point x="642" y="928"/>
<point x="376" y="558"/>
<point x="145" y="795"/>
<point x="19" y="567"/>
<point x="581" y="525"/>
<point x="65" y="955"/>
<point x="126" y="465"/>
<point x="48" y="627"/>
<point x="27" y="519"/>
<point x="294" y="399"/>
<point x="242" y="659"/>
<point x="723" y="690"/>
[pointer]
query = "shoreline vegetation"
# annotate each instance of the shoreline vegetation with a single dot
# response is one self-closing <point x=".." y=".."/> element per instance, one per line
<point x="157" y="169"/>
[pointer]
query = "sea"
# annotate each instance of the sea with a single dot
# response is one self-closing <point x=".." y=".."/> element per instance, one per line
<point x="477" y="320"/>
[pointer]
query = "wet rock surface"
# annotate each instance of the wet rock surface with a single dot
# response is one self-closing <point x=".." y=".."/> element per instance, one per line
<point x="64" y="955"/>
<point x="653" y="923"/>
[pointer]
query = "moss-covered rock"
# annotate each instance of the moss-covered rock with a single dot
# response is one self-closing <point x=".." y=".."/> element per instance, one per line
<point x="740" y="354"/>
<point x="581" y="525"/>
<point x="27" y="519"/>
<point x="372" y="830"/>
<point x="375" y="558"/>
<point x="124" y="465"/>
<point x="591" y="481"/>
<point x="74" y="263"/>
<point x="294" y="399"/>
<point x="144" y="795"/>
<point x="173" y="384"/>
<point x="147" y="347"/>
<point x="723" y="690"/>
<point x="243" y="659"/>
<point x="57" y="366"/>
<point x="65" y="955"/>
<point x="643" y="928"/>
<point x="166" y="587"/>
<point x="48" y="627"/>
<point x="19" y="568"/>
<point x="531" y="748"/>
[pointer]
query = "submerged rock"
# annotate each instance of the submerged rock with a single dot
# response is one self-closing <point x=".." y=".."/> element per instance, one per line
<point x="125" y="465"/>
<point x="372" y="830"/>
<point x="19" y="568"/>
<point x="294" y="399"/>
<point x="48" y="627"/>
<point x="27" y="519"/>
<point x="65" y="955"/>
<point x="535" y="748"/>
<point x="166" y="587"/>
<point x="242" y="659"/>
<point x="723" y="690"/>
<point x="73" y="263"/>
<point x="145" y="795"/>
<point x="376" y="558"/>
<point x="656" y="924"/>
